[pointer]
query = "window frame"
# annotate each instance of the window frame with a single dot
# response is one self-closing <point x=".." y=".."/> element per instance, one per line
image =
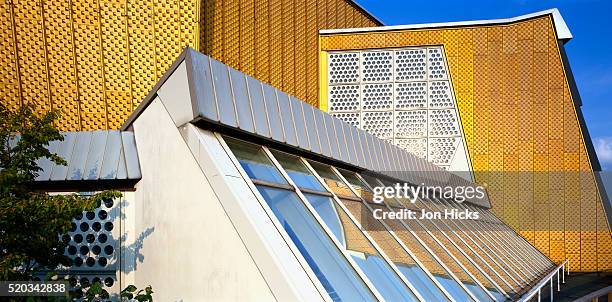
<point x="280" y="229"/>
<point x="428" y="249"/>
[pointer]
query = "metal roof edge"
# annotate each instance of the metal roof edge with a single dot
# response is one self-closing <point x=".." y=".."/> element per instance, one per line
<point x="361" y="7"/>
<point x="563" y="32"/>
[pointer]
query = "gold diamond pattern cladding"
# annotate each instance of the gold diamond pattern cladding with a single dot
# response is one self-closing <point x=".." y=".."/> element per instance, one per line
<point x="518" y="116"/>
<point x="95" y="60"/>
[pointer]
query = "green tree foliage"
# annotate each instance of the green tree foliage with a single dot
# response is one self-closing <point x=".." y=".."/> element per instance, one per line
<point x="30" y="220"/>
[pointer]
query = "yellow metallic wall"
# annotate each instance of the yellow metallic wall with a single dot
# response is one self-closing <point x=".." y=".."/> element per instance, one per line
<point x="519" y="118"/>
<point x="276" y="41"/>
<point x="97" y="59"/>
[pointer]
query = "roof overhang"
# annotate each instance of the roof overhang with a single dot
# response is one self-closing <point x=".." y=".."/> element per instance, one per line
<point x="563" y="32"/>
<point x="203" y="91"/>
<point x="95" y="160"/>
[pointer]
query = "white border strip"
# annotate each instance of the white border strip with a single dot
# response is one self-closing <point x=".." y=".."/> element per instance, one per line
<point x="563" y="32"/>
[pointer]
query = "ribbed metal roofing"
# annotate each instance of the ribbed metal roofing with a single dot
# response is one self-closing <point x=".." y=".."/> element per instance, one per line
<point x="224" y="96"/>
<point x="91" y="156"/>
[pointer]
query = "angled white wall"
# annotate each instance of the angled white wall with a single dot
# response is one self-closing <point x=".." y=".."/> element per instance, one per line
<point x="184" y="244"/>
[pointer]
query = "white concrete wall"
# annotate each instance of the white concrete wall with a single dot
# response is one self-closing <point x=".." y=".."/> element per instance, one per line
<point x="188" y="249"/>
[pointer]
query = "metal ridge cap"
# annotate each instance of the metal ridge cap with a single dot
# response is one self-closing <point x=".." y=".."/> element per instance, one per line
<point x="367" y="12"/>
<point x="563" y="32"/>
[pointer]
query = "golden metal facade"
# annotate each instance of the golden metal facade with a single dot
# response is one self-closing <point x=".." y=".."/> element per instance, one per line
<point x="97" y="59"/>
<point x="276" y="41"/>
<point x="521" y="127"/>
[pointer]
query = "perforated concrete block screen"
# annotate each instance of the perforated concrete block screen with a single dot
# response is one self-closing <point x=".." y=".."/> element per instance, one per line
<point x="93" y="246"/>
<point x="402" y="95"/>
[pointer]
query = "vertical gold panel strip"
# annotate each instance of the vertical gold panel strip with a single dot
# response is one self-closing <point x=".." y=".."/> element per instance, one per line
<point x="300" y="49"/>
<point x="247" y="33"/>
<point x="89" y="64"/>
<point x="31" y="54"/>
<point x="231" y="34"/>
<point x="46" y="57"/>
<point x="288" y="10"/>
<point x="10" y="94"/>
<point x="331" y="14"/>
<point x="322" y="14"/>
<point x="167" y="44"/>
<point x="217" y="29"/>
<point x="312" y="39"/>
<point x="188" y="34"/>
<point x="116" y="62"/>
<point x="141" y="30"/>
<point x="62" y="73"/>
<point x="262" y="32"/>
<point x="275" y="36"/>
<point x="209" y="22"/>
<point x="341" y="13"/>
<point x="323" y="81"/>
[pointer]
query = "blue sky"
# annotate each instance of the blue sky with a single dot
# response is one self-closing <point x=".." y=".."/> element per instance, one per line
<point x="589" y="52"/>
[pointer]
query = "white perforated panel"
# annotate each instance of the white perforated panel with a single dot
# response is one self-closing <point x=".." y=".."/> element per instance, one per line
<point x="379" y="124"/>
<point x="442" y="150"/>
<point x="344" y="98"/>
<point x="92" y="244"/>
<point x="377" y="66"/>
<point x="437" y="67"/>
<point x="352" y="118"/>
<point x="377" y="96"/>
<point x="417" y="146"/>
<point x="411" y="124"/>
<point x="410" y="95"/>
<point x="443" y="123"/>
<point x="410" y="65"/>
<point x="440" y="95"/>
<point x="400" y="95"/>
<point x="344" y="68"/>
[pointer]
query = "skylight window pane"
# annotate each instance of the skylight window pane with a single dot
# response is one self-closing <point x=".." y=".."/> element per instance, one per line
<point x="300" y="175"/>
<point x="394" y="251"/>
<point x="419" y="241"/>
<point x="453" y="246"/>
<point x="480" y="246"/>
<point x="362" y="190"/>
<point x="363" y="253"/>
<point x="256" y="164"/>
<point x="428" y="261"/>
<point x="331" y="180"/>
<point x="334" y="272"/>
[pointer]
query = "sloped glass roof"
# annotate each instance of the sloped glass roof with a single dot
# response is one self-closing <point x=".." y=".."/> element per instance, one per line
<point x="390" y="259"/>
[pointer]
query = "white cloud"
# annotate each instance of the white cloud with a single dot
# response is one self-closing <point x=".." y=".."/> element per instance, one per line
<point x="603" y="147"/>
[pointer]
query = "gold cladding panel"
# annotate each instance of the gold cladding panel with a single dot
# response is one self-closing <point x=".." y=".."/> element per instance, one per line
<point x="515" y="72"/>
<point x="96" y="60"/>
